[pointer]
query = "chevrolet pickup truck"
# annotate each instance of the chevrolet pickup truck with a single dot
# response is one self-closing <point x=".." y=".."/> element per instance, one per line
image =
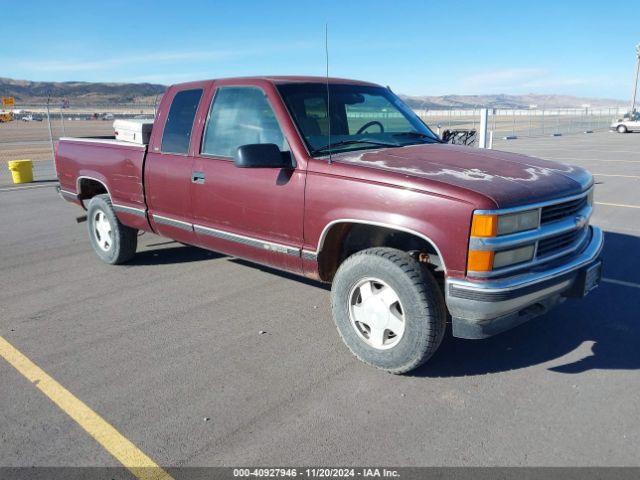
<point x="339" y="181"/>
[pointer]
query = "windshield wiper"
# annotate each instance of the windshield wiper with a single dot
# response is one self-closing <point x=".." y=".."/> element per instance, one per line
<point x="417" y="135"/>
<point x="353" y="142"/>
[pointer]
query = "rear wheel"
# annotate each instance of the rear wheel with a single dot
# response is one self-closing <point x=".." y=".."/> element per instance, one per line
<point x="388" y="309"/>
<point x="622" y="129"/>
<point x="114" y="242"/>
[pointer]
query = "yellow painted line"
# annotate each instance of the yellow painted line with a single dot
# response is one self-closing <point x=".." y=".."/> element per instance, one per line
<point x="621" y="282"/>
<point x="617" y="205"/>
<point x="111" y="440"/>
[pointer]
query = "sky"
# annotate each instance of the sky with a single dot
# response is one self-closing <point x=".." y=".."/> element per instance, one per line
<point x="583" y="48"/>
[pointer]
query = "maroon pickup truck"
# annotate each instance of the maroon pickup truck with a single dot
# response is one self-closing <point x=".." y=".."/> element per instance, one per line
<point x="339" y="181"/>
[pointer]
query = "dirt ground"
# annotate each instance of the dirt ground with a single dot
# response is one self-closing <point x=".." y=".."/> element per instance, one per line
<point x="30" y="140"/>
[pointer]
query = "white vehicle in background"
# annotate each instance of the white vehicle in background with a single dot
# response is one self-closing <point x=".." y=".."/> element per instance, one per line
<point x="27" y="118"/>
<point x="629" y="123"/>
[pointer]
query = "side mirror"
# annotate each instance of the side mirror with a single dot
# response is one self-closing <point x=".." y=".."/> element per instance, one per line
<point x="262" y="155"/>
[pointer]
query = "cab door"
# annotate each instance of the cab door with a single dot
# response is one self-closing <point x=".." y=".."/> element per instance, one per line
<point x="169" y="166"/>
<point x="253" y="213"/>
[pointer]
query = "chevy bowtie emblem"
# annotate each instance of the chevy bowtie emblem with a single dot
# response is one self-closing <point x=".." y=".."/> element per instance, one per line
<point x="581" y="221"/>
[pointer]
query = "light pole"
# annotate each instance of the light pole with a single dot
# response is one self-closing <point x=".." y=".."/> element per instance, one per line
<point x="635" y="84"/>
<point x="53" y="149"/>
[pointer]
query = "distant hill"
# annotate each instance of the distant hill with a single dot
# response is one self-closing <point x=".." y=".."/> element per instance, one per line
<point x="26" y="91"/>
<point x="79" y="93"/>
<point x="508" y="101"/>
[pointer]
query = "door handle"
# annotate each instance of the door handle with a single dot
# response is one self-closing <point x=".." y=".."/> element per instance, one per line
<point x="197" y="177"/>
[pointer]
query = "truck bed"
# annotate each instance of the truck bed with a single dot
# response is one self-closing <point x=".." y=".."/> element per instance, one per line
<point x="83" y="164"/>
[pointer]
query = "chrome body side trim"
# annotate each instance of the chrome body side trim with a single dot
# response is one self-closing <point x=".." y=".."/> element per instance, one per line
<point x="488" y="299"/>
<point x="309" y="255"/>
<point x="141" y="212"/>
<point x="251" y="241"/>
<point x="224" y="235"/>
<point x="172" y="222"/>
<point x="327" y="227"/>
<point x="68" y="194"/>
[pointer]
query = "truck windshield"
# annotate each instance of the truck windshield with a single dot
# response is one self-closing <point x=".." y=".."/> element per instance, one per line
<point x="362" y="117"/>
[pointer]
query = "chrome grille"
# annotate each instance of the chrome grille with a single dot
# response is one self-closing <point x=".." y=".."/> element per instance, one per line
<point x="550" y="246"/>
<point x="563" y="230"/>
<point x="558" y="211"/>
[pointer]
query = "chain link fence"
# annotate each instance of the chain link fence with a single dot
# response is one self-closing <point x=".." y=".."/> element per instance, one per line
<point x="27" y="136"/>
<point x="524" y="122"/>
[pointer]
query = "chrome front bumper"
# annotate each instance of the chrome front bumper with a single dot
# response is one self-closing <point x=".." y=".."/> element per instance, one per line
<point x="484" y="308"/>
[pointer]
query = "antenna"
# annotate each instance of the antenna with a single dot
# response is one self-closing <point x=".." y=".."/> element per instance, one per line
<point x="326" y="53"/>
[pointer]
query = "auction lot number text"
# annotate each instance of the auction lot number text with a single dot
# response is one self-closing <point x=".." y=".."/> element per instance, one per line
<point x="316" y="472"/>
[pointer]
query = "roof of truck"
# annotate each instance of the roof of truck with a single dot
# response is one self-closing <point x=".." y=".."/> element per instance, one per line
<point x="282" y="79"/>
<point x="301" y="79"/>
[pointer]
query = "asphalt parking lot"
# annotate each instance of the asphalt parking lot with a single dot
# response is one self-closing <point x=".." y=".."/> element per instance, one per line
<point x="168" y="350"/>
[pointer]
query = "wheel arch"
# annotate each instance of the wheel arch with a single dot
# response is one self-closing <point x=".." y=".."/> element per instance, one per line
<point x="343" y="237"/>
<point x="88" y="187"/>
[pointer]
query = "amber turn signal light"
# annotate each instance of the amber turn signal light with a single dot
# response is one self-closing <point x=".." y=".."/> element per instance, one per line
<point x="484" y="226"/>
<point x="480" y="261"/>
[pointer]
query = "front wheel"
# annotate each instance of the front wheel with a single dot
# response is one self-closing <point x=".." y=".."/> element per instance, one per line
<point x="388" y="309"/>
<point x="114" y="242"/>
<point x="622" y="129"/>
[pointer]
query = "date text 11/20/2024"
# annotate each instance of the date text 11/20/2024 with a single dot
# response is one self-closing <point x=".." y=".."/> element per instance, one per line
<point x="326" y="472"/>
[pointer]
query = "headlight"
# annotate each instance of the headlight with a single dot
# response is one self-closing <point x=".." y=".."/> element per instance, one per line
<point x="506" y="258"/>
<point x="494" y="225"/>
<point x="486" y="260"/>
<point x="518" y="222"/>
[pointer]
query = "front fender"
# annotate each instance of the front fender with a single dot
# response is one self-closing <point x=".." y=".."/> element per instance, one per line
<point x="442" y="221"/>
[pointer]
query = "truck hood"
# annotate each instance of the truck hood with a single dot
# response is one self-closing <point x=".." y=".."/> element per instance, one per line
<point x="509" y="179"/>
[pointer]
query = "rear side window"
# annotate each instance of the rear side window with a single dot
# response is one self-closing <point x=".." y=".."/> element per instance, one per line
<point x="177" y="129"/>
<point x="240" y="116"/>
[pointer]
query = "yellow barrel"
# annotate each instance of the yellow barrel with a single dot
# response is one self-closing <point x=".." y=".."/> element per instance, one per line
<point x="21" y="171"/>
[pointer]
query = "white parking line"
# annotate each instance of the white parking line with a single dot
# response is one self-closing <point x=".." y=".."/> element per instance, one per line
<point x="618" y="229"/>
<point x="612" y="175"/>
<point x="617" y="205"/>
<point x="621" y="282"/>
<point x="573" y="159"/>
<point x="573" y="150"/>
<point x="27" y="187"/>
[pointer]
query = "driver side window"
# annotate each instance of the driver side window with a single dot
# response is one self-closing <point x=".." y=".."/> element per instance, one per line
<point x="240" y="116"/>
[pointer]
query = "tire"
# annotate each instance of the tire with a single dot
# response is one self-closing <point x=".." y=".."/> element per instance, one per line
<point x="364" y="287"/>
<point x="114" y="242"/>
<point x="622" y="129"/>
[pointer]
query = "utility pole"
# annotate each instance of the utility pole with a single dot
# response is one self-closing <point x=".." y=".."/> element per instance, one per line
<point x="53" y="149"/>
<point x="635" y="84"/>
